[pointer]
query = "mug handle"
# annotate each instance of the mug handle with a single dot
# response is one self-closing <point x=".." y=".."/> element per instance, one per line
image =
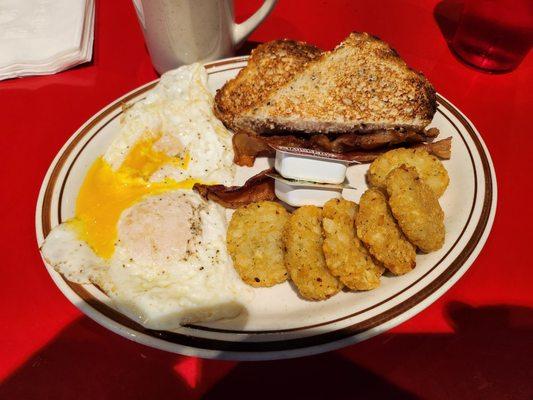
<point x="140" y="13"/>
<point x="243" y="30"/>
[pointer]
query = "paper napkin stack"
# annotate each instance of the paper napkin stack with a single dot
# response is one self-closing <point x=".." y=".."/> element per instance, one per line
<point x="41" y="37"/>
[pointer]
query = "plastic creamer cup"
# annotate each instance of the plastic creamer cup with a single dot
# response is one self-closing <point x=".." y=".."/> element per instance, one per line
<point x="301" y="193"/>
<point x="310" y="165"/>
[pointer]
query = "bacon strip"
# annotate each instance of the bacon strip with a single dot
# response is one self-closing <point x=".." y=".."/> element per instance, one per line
<point x="248" y="146"/>
<point x="441" y="149"/>
<point x="352" y="141"/>
<point x="259" y="187"/>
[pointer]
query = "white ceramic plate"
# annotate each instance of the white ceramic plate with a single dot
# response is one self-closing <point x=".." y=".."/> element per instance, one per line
<point x="278" y="323"/>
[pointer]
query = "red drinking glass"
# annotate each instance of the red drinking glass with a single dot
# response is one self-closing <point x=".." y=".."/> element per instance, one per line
<point x="494" y="35"/>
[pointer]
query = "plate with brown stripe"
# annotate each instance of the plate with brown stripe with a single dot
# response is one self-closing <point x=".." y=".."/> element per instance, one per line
<point x="278" y="323"/>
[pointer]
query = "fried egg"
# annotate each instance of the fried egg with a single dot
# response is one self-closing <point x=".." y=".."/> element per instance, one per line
<point x="139" y="232"/>
<point x="178" y="115"/>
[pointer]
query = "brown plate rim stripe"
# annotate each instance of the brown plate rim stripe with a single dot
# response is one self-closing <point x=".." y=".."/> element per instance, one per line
<point x="299" y="342"/>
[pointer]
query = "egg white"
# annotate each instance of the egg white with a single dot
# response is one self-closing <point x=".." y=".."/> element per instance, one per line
<point x="170" y="265"/>
<point x="181" y="270"/>
<point x="180" y="109"/>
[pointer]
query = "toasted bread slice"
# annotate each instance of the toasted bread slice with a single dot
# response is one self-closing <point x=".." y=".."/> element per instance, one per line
<point x="269" y="66"/>
<point x="360" y="86"/>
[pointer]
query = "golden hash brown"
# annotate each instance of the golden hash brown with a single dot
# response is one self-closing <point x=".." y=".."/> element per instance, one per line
<point x="429" y="168"/>
<point x="346" y="257"/>
<point x="304" y="256"/>
<point x="378" y="230"/>
<point x="254" y="241"/>
<point x="416" y="208"/>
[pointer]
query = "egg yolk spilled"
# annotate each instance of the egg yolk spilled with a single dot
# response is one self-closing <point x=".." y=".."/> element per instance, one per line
<point x="106" y="193"/>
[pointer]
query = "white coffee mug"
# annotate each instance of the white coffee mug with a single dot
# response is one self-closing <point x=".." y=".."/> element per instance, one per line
<point x="179" y="32"/>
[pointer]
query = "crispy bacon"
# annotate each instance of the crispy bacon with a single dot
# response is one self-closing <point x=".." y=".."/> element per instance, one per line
<point x="441" y="149"/>
<point x="352" y="141"/>
<point x="259" y="187"/>
<point x="248" y="146"/>
<point x="432" y="132"/>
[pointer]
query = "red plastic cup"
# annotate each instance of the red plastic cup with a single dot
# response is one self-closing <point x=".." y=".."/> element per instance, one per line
<point x="494" y="35"/>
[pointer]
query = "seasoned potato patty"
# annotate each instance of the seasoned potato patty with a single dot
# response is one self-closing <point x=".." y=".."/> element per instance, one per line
<point x="416" y="208"/>
<point x="428" y="167"/>
<point x="255" y="244"/>
<point x="304" y="255"/>
<point x="346" y="257"/>
<point x="378" y="230"/>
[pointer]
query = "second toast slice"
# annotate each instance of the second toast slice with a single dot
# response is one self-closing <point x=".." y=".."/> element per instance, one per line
<point x="270" y="65"/>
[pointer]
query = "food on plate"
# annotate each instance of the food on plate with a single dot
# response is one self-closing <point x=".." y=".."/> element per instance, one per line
<point x="441" y="148"/>
<point x="304" y="256"/>
<point x="255" y="243"/>
<point x="416" y="208"/>
<point x="428" y="167"/>
<point x="378" y="230"/>
<point x="270" y="65"/>
<point x="177" y="117"/>
<point x="169" y="265"/>
<point x="150" y="226"/>
<point x="139" y="231"/>
<point x="346" y="142"/>
<point x="360" y="86"/>
<point x="259" y="187"/>
<point x="357" y="98"/>
<point x="248" y="146"/>
<point x="343" y="143"/>
<point x="346" y="257"/>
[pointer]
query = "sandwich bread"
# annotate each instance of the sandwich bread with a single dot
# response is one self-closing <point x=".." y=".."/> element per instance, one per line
<point x="362" y="85"/>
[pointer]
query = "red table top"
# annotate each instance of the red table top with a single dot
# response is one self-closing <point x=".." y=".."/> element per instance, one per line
<point x="474" y="342"/>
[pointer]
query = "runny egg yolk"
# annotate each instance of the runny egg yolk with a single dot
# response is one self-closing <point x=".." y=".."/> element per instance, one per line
<point x="106" y="193"/>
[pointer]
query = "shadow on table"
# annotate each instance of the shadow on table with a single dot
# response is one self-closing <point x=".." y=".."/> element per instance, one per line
<point x="488" y="356"/>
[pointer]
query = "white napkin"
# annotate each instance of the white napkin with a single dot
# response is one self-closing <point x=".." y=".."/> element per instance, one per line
<point x="41" y="37"/>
